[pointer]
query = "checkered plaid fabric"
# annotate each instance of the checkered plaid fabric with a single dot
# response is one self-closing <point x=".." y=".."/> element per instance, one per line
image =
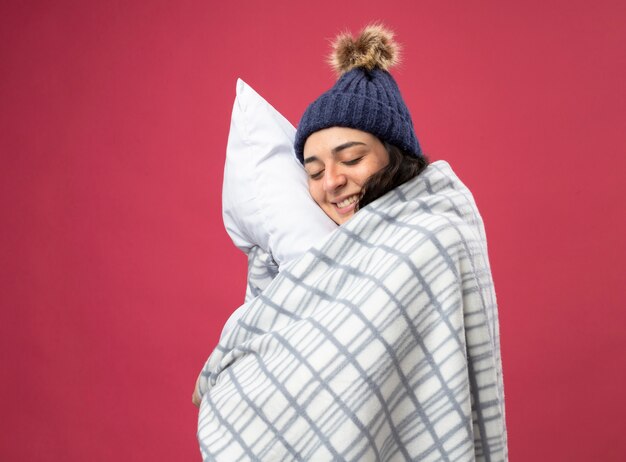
<point x="380" y="343"/>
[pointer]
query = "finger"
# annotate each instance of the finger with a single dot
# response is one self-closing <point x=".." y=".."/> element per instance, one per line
<point x="195" y="398"/>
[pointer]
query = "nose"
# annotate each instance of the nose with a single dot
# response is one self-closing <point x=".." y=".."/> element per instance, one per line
<point x="333" y="179"/>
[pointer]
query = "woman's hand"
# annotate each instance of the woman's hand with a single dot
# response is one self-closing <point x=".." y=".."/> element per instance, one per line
<point x="195" y="398"/>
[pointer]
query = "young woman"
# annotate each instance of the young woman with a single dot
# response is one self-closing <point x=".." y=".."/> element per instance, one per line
<point x="382" y="342"/>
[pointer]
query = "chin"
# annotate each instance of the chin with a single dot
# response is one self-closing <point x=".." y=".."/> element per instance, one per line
<point x="338" y="218"/>
<point x="342" y="219"/>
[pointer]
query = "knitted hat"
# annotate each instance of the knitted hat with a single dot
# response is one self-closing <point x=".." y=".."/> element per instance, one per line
<point x="366" y="96"/>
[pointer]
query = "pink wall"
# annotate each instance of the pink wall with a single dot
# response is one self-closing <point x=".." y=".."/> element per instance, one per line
<point x="117" y="274"/>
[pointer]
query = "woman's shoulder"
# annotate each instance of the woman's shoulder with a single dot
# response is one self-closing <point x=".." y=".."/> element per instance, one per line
<point x="435" y="203"/>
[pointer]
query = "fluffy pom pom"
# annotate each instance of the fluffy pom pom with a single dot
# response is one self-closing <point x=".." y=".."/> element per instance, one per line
<point x="374" y="48"/>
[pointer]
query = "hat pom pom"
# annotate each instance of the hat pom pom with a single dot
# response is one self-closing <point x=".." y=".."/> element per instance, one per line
<point x="373" y="48"/>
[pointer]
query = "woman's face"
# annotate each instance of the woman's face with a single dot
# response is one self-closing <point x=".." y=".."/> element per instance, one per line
<point x="338" y="161"/>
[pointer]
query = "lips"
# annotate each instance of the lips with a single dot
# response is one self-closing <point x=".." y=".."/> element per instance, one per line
<point x="345" y="207"/>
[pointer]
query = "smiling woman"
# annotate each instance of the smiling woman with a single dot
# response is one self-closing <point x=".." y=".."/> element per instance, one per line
<point x="381" y="342"/>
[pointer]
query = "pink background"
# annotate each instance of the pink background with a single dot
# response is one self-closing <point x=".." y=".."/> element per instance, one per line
<point x="117" y="274"/>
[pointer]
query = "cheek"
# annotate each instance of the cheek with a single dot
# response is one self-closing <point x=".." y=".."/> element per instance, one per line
<point x="315" y="190"/>
<point x="369" y="169"/>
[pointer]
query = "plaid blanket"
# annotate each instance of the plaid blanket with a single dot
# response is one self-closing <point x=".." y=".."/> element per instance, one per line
<point x="379" y="343"/>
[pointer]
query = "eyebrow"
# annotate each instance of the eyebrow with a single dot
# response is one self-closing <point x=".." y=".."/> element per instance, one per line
<point x="336" y="149"/>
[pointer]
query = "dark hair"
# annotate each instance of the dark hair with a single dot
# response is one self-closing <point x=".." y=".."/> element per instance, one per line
<point x="401" y="168"/>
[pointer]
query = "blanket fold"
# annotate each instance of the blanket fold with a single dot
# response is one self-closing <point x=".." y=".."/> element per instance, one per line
<point x="379" y="343"/>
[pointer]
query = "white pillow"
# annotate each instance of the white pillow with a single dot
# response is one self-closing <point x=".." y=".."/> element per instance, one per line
<point x="265" y="197"/>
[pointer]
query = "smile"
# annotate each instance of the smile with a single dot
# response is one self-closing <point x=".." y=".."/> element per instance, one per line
<point x="348" y="201"/>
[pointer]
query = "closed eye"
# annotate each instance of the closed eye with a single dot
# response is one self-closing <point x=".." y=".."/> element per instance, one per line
<point x="317" y="175"/>
<point x="353" y="161"/>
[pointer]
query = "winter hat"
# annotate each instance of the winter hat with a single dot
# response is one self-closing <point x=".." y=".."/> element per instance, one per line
<point x="366" y="96"/>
